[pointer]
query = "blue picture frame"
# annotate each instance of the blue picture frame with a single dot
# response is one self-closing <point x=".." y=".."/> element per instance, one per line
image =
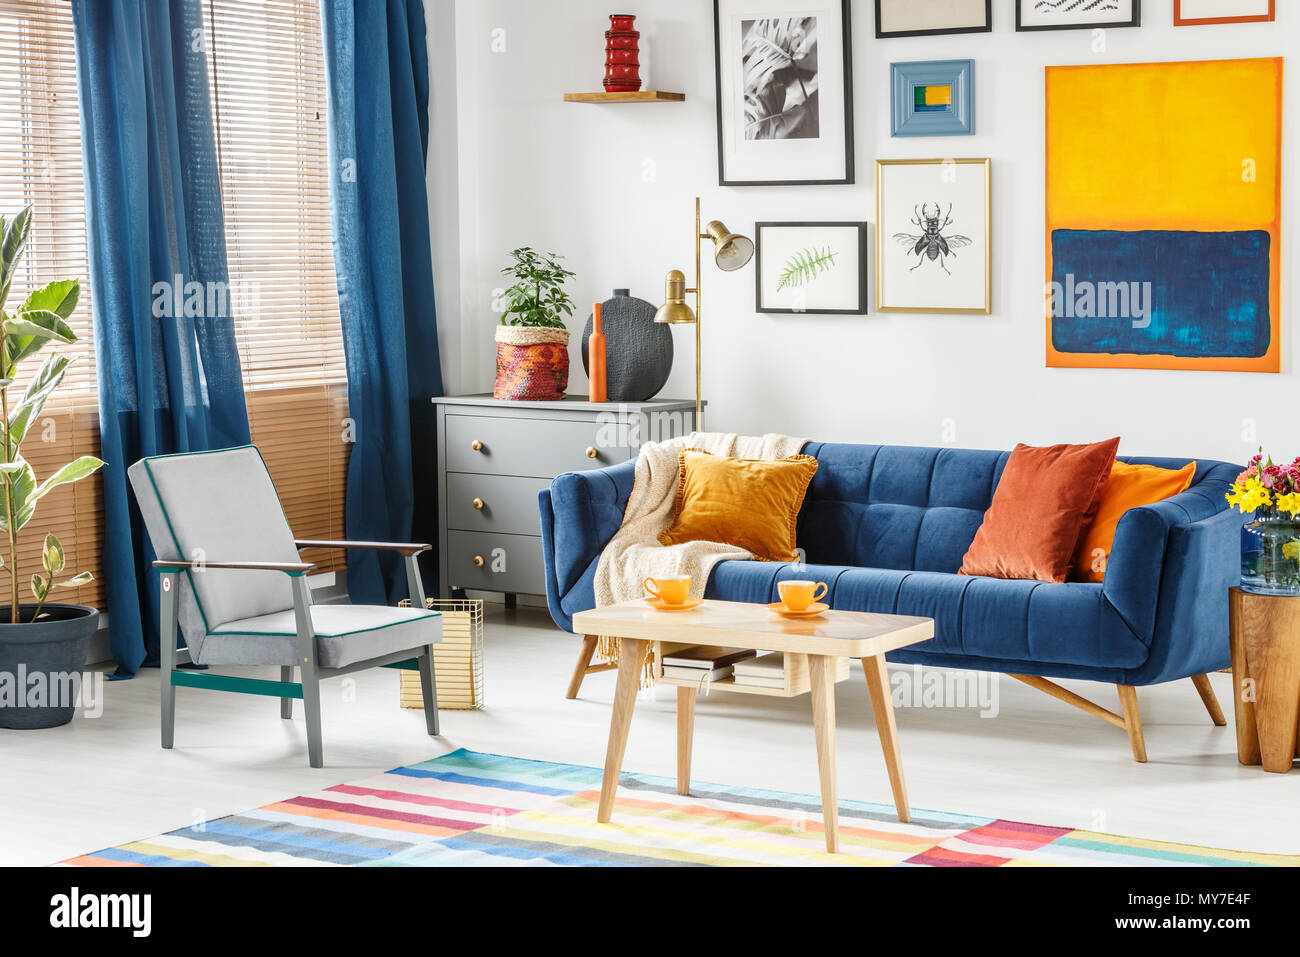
<point x="910" y="118"/>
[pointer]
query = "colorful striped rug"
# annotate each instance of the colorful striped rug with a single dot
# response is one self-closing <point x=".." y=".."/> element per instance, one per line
<point x="471" y="809"/>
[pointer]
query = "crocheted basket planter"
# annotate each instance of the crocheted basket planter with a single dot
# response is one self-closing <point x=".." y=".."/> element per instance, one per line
<point x="532" y="363"/>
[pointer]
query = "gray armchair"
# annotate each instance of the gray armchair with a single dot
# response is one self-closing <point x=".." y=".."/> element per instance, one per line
<point x="234" y="582"/>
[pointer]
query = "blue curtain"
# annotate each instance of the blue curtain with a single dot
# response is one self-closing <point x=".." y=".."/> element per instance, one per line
<point x="169" y="375"/>
<point x="378" y="75"/>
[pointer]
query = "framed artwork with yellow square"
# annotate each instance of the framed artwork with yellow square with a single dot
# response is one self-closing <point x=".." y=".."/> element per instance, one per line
<point x="1164" y="215"/>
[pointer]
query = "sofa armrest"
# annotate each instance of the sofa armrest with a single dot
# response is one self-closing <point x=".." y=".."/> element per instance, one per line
<point x="1185" y="544"/>
<point x="587" y="509"/>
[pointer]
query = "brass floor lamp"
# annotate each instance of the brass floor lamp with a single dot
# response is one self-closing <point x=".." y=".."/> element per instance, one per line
<point x="731" y="251"/>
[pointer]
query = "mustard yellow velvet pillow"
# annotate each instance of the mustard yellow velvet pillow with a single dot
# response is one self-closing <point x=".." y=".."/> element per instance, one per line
<point x="750" y="503"/>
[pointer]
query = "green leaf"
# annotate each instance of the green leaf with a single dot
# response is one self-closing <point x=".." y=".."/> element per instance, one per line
<point x="40" y="588"/>
<point x="47" y="379"/>
<point x="72" y="472"/>
<point x="39" y="322"/>
<point x="53" y="557"/>
<point x="20" y="482"/>
<point x="12" y="241"/>
<point x="59" y="297"/>
<point x="805" y="266"/>
<point x="76" y="581"/>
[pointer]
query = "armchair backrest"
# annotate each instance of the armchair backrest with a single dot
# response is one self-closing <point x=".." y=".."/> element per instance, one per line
<point x="217" y="506"/>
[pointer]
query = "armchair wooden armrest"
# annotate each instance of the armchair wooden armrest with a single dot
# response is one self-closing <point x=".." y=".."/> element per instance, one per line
<point x="404" y="548"/>
<point x="290" y="568"/>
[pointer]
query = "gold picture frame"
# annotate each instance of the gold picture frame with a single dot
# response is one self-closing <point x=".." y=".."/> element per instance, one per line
<point x="933" y="241"/>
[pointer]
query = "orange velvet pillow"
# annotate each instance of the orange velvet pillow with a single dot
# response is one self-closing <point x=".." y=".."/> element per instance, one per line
<point x="1130" y="486"/>
<point x="750" y="503"/>
<point x="1044" y="501"/>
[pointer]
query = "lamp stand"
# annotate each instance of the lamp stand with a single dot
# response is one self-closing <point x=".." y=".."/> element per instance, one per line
<point x="699" y="402"/>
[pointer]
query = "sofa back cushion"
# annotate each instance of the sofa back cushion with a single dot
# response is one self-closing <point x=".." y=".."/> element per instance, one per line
<point x="877" y="506"/>
<point x="911" y="508"/>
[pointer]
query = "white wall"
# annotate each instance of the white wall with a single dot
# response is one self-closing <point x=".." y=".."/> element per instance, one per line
<point x="612" y="186"/>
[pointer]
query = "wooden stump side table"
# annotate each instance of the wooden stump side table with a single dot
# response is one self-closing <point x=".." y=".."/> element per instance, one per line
<point x="1265" y="637"/>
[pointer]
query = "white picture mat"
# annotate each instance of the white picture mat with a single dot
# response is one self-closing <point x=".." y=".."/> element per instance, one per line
<point x="821" y="158"/>
<point x="1213" y="9"/>
<point x="902" y="189"/>
<point x="1029" y="17"/>
<point x="837" y="288"/>
<point x="897" y="16"/>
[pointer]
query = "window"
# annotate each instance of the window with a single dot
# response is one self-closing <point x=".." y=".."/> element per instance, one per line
<point x="269" y="99"/>
<point x="269" y="95"/>
<point x="40" y="164"/>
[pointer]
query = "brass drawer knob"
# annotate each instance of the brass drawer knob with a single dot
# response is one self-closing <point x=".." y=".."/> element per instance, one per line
<point x="591" y="452"/>
<point x="478" y="561"/>
<point x="478" y="504"/>
<point x="476" y="445"/>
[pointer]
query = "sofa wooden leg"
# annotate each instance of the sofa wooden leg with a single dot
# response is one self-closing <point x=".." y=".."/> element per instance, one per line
<point x="580" y="669"/>
<point x="1128" y="700"/>
<point x="584" y="666"/>
<point x="1206" y="691"/>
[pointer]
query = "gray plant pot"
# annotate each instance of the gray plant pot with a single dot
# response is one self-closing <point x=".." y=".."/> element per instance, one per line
<point x="54" y="646"/>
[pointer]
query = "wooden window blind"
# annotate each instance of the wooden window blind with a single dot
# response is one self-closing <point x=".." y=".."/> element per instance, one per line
<point x="40" y="164"/>
<point x="269" y="98"/>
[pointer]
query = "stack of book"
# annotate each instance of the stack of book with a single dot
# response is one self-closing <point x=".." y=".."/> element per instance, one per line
<point x="703" y="663"/>
<point x="765" y="671"/>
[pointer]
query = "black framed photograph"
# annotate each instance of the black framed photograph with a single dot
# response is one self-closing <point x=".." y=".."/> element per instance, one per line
<point x="929" y="18"/>
<point x="1077" y="14"/>
<point x="815" y="268"/>
<point x="784" y="88"/>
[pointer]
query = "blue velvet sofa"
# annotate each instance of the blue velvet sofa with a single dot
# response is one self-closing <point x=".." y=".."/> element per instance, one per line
<point x="886" y="528"/>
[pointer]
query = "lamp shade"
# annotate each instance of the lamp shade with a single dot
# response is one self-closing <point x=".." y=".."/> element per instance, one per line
<point x="731" y="250"/>
<point x="674" y="310"/>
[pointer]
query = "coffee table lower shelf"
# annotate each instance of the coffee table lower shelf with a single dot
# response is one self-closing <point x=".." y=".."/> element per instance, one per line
<point x="797" y="680"/>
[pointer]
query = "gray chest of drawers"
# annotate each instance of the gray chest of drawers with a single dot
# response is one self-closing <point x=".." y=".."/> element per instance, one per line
<point x="495" y="455"/>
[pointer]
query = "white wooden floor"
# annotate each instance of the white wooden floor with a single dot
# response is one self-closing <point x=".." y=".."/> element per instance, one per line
<point x="104" y="781"/>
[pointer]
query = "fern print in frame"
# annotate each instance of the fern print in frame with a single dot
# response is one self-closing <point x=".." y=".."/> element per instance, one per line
<point x="805" y="266"/>
<point x="811" y="268"/>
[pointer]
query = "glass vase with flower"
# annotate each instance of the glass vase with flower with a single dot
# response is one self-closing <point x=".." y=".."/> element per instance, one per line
<point x="1270" y="542"/>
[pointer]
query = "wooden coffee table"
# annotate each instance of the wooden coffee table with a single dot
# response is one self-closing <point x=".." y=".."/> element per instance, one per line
<point x="814" y="649"/>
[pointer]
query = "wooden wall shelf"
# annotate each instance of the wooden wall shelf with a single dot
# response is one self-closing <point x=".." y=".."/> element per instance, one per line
<point x="636" y="96"/>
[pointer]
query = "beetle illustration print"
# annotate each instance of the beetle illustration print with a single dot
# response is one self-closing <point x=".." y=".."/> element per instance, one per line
<point x="932" y="244"/>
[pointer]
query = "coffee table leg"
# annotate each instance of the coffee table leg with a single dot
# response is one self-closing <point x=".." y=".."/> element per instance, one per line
<point x="821" y="671"/>
<point x="685" y="736"/>
<point x="882" y="706"/>
<point x="631" y="659"/>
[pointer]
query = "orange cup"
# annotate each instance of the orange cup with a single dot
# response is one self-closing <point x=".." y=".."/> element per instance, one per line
<point x="798" y="595"/>
<point x="671" y="591"/>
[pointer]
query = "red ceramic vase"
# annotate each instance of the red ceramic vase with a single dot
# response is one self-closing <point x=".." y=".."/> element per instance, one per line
<point x="622" y="54"/>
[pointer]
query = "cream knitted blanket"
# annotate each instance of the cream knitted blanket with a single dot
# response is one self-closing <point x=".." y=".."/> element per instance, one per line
<point x="634" y="553"/>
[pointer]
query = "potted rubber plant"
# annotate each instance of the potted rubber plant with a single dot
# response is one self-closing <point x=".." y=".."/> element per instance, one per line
<point x="43" y="644"/>
<point x="532" y="340"/>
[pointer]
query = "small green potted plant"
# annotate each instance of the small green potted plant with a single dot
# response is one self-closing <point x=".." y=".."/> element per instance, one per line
<point x="42" y="644"/>
<point x="532" y="340"/>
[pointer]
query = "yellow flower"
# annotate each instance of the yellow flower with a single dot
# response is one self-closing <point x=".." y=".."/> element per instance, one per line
<point x="1291" y="550"/>
<point x="1250" y="495"/>
<point x="1289" y="503"/>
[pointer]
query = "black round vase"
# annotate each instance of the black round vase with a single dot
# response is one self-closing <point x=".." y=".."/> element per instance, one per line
<point x="54" y="648"/>
<point x="638" y="350"/>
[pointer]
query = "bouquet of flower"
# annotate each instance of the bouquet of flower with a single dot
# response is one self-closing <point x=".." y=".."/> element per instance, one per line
<point x="1270" y="543"/>
<point x="1264" y="486"/>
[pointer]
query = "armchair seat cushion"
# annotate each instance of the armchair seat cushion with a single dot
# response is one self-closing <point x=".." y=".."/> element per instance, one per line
<point x="345" y="634"/>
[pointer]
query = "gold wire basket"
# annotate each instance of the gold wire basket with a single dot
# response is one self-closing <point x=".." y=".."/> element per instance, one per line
<point x="457" y="661"/>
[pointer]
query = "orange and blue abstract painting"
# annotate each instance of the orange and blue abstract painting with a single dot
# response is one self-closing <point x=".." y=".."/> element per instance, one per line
<point x="1164" y="215"/>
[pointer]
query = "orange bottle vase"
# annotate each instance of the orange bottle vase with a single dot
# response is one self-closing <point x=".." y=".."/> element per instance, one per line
<point x="596" y="357"/>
